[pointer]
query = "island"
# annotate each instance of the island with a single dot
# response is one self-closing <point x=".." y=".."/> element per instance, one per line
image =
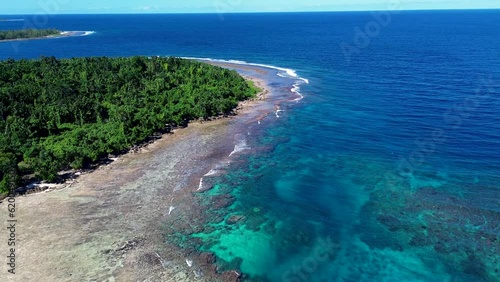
<point x="60" y="114"/>
<point x="19" y="34"/>
<point x="11" y="20"/>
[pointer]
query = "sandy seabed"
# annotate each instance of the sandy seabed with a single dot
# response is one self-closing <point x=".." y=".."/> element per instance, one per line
<point x="110" y="224"/>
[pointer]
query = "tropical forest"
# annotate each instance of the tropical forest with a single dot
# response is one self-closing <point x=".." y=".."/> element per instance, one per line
<point x="27" y="33"/>
<point x="59" y="114"/>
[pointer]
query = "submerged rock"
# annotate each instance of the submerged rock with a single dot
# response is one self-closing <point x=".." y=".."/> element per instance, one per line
<point x="235" y="219"/>
<point x="208" y="258"/>
<point x="222" y="201"/>
<point x="233" y="276"/>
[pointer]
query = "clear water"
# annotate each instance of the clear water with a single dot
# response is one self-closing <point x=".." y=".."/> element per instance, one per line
<point x="387" y="170"/>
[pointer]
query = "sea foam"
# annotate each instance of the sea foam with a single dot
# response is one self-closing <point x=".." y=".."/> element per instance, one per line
<point x="78" y="33"/>
<point x="284" y="72"/>
<point x="240" y="147"/>
<point x="85" y="33"/>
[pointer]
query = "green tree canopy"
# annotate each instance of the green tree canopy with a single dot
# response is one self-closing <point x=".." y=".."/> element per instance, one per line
<point x="59" y="114"/>
<point x="27" y="33"/>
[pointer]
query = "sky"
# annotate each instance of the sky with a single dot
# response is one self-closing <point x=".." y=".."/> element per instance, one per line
<point x="228" y="6"/>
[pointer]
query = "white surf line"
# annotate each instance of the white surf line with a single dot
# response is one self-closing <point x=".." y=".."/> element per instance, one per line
<point x="278" y="110"/>
<point x="84" y="32"/>
<point x="289" y="72"/>
<point x="295" y="89"/>
<point x="239" y="147"/>
<point x="212" y="171"/>
<point x="278" y="113"/>
<point x="200" y="186"/>
<point x="172" y="208"/>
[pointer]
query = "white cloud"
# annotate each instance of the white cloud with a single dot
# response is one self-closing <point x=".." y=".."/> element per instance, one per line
<point x="146" y="8"/>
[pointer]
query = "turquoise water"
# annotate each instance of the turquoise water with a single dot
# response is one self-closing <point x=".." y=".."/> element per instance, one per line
<point x="314" y="204"/>
<point x="387" y="170"/>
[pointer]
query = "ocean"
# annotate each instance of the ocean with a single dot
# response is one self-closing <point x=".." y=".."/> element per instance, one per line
<point x="383" y="161"/>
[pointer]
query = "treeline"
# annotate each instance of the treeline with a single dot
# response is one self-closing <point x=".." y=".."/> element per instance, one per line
<point x="26" y="33"/>
<point x="59" y="114"/>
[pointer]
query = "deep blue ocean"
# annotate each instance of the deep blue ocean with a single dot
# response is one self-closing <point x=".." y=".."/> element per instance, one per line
<point x="387" y="170"/>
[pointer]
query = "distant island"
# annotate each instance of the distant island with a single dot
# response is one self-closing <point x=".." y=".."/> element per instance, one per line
<point x="69" y="113"/>
<point x="11" y="20"/>
<point x="27" y="34"/>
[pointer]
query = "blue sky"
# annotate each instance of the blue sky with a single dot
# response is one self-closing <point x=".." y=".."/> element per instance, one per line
<point x="217" y="6"/>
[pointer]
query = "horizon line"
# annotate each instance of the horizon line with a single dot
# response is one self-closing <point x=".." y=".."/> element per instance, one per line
<point x="252" y="12"/>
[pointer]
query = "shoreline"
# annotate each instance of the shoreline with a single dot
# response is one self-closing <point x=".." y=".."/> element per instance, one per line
<point x="70" y="177"/>
<point x="63" y="34"/>
<point x="110" y="224"/>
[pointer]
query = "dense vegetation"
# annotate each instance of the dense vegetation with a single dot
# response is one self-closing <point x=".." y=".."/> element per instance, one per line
<point x="26" y="33"/>
<point x="59" y="114"/>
